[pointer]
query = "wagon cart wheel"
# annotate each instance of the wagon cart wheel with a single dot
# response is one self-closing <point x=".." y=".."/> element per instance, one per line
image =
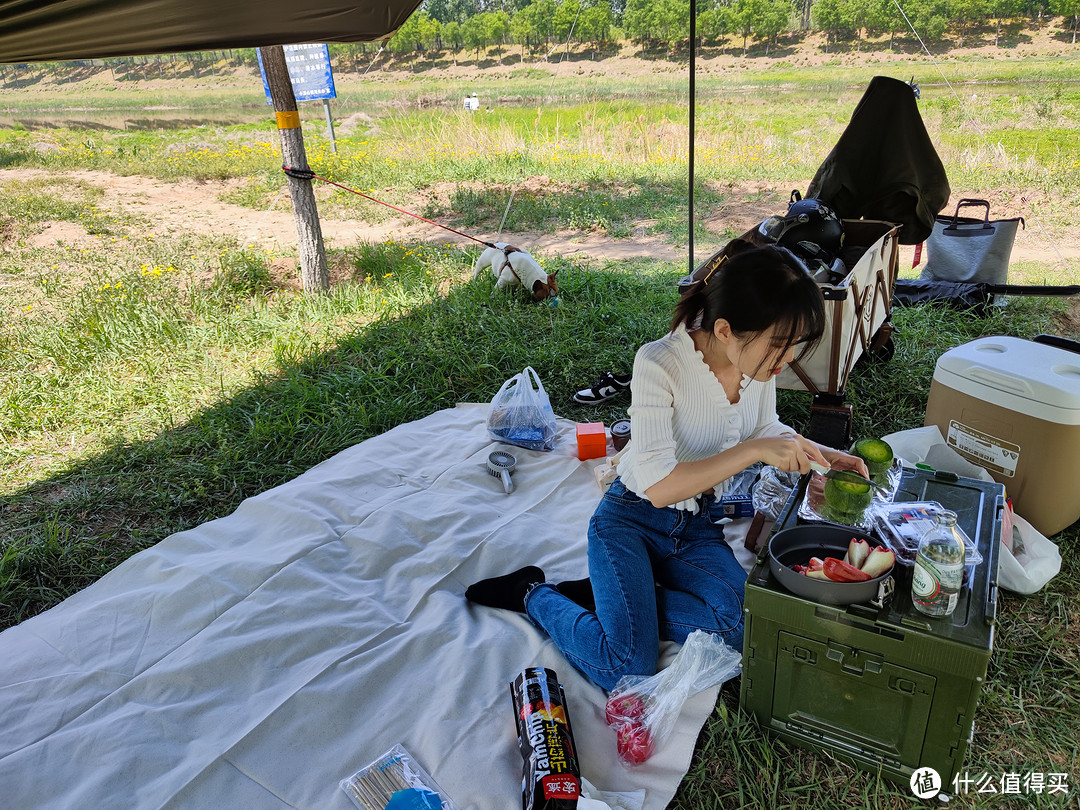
<point x="884" y="353"/>
<point x="882" y="347"/>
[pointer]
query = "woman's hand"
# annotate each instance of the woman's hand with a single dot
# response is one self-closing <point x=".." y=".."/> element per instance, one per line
<point x="789" y="453"/>
<point x="843" y="461"/>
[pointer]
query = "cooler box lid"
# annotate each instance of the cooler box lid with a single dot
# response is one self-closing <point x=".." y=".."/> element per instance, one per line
<point x="1030" y="378"/>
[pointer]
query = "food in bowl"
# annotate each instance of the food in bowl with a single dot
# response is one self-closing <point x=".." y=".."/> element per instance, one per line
<point x="799" y="544"/>
<point x="861" y="563"/>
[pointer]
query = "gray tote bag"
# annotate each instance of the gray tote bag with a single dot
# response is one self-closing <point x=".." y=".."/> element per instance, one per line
<point x="970" y="249"/>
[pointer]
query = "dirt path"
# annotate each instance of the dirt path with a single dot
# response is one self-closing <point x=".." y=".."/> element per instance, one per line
<point x="190" y="206"/>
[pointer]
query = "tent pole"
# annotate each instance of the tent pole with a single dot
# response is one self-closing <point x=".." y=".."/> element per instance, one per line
<point x="313" y="270"/>
<point x="693" y="95"/>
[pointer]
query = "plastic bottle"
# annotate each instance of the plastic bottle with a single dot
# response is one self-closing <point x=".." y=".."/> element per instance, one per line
<point x="939" y="568"/>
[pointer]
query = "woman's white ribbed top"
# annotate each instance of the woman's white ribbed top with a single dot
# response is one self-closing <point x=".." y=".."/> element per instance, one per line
<point x="680" y="412"/>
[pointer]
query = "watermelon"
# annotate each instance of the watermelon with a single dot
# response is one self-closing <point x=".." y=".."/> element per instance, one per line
<point x="876" y="453"/>
<point x="846" y="499"/>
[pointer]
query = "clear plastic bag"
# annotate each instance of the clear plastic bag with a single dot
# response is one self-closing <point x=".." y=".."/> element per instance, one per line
<point x="772" y="491"/>
<point x="736" y="499"/>
<point x="395" y="782"/>
<point x="521" y="414"/>
<point x="643" y="710"/>
<point x="812" y="507"/>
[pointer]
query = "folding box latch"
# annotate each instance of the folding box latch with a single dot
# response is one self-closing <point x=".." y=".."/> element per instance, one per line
<point x="852" y="661"/>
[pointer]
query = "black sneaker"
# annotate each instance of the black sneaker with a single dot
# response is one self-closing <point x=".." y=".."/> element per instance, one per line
<point x="607" y="387"/>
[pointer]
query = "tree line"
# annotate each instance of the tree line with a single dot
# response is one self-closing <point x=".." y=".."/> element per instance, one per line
<point x="473" y="25"/>
<point x="531" y="25"/>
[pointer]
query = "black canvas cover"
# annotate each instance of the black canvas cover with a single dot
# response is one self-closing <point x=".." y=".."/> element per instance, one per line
<point x="60" y="30"/>
<point x="969" y="295"/>
<point x="885" y="166"/>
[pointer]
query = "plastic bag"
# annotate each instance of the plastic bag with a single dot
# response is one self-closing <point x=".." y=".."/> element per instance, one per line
<point x="736" y="500"/>
<point x="772" y="491"/>
<point x="812" y="508"/>
<point x="643" y="710"/>
<point x="521" y="414"/>
<point x="395" y="782"/>
<point x="1028" y="559"/>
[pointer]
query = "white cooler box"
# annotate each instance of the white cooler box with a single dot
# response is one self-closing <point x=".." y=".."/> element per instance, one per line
<point x="1012" y="406"/>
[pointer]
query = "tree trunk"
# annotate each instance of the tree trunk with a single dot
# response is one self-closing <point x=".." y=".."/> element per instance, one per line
<point x="313" y="270"/>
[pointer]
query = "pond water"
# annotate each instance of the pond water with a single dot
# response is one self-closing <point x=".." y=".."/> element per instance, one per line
<point x="231" y="113"/>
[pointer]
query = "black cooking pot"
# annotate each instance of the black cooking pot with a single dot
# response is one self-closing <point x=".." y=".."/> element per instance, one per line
<point x="797" y="544"/>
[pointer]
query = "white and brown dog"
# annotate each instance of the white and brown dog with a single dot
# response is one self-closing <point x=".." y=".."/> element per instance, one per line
<point x="512" y="265"/>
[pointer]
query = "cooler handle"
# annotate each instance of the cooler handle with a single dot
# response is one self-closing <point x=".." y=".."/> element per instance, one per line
<point x="1058" y="342"/>
<point x="1000" y="380"/>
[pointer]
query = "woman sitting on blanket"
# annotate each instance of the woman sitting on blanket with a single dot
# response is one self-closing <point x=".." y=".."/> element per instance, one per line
<point x="703" y="408"/>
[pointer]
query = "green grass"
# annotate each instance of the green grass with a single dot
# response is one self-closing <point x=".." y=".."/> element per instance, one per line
<point x="148" y="385"/>
<point x="161" y="441"/>
<point x="1005" y="129"/>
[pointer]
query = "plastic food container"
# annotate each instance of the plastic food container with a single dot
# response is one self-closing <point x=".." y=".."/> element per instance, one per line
<point x="902" y="526"/>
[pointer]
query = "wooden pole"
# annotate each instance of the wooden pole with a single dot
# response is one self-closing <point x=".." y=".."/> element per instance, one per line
<point x="313" y="271"/>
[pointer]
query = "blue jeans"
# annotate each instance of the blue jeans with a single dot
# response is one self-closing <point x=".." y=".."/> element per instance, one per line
<point x="656" y="574"/>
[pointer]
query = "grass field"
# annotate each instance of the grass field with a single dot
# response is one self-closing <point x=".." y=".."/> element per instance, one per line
<point x="148" y="385"/>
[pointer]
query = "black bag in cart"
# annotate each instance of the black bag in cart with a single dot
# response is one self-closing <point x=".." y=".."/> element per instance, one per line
<point x="970" y="249"/>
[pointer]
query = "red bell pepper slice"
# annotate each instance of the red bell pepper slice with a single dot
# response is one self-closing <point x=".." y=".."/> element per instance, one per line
<point x="840" y="571"/>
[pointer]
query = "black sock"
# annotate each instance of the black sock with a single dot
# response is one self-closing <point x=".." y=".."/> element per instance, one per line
<point x="579" y="591"/>
<point x="506" y="592"/>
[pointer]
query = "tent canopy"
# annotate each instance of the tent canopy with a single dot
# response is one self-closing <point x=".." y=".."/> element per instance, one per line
<point x="59" y="30"/>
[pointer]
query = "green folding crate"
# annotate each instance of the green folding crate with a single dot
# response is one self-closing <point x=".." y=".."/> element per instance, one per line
<point x="887" y="689"/>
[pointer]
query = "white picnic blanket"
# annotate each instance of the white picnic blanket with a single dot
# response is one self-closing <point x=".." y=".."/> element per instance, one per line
<point x="256" y="660"/>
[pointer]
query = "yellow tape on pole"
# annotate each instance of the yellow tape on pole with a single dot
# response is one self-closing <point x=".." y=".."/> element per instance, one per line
<point x="289" y="119"/>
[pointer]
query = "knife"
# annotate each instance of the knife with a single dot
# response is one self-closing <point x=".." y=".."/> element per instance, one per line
<point x="829" y="472"/>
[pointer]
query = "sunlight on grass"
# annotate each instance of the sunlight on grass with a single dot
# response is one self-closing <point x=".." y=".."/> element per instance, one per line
<point x="772" y="127"/>
<point x="151" y="384"/>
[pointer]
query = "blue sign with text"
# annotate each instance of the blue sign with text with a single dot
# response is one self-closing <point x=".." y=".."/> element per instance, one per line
<point x="309" y="69"/>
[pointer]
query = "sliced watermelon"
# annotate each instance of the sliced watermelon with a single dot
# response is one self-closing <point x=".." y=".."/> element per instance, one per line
<point x="877" y="454"/>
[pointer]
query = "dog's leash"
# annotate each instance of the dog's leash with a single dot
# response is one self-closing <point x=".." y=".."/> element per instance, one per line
<point x="307" y="174"/>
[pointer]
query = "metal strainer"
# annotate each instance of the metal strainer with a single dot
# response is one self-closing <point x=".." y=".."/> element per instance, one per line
<point x="500" y="465"/>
